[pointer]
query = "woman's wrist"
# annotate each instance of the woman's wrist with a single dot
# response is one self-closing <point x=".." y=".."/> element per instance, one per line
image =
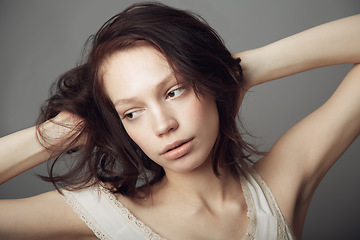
<point x="254" y="66"/>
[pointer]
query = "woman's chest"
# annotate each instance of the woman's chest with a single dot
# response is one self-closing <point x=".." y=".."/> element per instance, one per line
<point x="184" y="221"/>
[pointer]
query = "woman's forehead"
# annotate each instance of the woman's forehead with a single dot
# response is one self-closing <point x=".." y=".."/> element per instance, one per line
<point x="135" y="69"/>
<point x="139" y="58"/>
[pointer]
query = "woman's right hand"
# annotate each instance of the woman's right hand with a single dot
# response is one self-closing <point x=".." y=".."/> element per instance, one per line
<point x="61" y="131"/>
<point x="30" y="147"/>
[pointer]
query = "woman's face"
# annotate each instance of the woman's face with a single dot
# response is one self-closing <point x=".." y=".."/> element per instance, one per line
<point x="163" y="116"/>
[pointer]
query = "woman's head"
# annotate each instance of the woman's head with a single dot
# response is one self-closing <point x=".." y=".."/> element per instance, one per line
<point x="172" y="125"/>
<point x="197" y="58"/>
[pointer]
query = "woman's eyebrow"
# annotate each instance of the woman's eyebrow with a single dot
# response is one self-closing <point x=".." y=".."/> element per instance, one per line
<point x="124" y="101"/>
<point x="160" y="85"/>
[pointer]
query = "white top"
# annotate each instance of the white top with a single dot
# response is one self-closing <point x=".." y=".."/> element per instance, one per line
<point x="109" y="219"/>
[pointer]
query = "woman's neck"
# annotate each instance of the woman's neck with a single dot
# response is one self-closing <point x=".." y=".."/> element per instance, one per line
<point x="201" y="187"/>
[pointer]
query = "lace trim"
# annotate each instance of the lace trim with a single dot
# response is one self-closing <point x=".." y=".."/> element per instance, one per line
<point x="137" y="223"/>
<point x="84" y="216"/>
<point x="251" y="211"/>
<point x="150" y="234"/>
<point x="283" y="227"/>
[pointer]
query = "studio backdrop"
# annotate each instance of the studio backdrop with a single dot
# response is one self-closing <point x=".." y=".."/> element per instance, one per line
<point x="41" y="39"/>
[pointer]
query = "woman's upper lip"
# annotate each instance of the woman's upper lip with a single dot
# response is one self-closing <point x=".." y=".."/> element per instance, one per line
<point x="174" y="145"/>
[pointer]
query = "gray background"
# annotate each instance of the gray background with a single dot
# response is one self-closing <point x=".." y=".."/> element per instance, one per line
<point x="39" y="40"/>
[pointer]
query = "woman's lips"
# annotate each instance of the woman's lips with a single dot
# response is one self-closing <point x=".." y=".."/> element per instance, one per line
<point x="177" y="149"/>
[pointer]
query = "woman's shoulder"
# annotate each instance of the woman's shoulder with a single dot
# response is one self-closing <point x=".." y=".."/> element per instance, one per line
<point x="105" y="212"/>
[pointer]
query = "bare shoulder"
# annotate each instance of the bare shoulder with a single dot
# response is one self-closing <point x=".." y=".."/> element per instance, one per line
<point x="45" y="216"/>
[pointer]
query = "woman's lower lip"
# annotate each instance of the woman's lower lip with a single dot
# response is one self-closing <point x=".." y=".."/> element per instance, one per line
<point x="179" y="152"/>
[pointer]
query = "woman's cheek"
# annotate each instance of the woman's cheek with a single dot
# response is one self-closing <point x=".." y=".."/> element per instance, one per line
<point x="138" y="133"/>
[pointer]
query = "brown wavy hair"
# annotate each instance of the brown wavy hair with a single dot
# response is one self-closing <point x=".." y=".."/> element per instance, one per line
<point x="194" y="51"/>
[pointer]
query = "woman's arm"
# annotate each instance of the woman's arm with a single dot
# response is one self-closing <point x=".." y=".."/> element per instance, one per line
<point x="302" y="156"/>
<point x="335" y="42"/>
<point x="24" y="150"/>
<point x="299" y="160"/>
<point x="19" y="152"/>
<point x="46" y="216"/>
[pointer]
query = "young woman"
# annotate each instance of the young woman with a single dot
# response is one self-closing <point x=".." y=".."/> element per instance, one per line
<point x="152" y="115"/>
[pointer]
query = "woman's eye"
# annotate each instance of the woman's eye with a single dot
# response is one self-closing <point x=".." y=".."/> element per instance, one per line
<point x="175" y="93"/>
<point x="132" y="115"/>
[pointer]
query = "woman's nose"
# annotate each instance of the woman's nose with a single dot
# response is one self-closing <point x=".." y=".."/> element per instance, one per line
<point x="164" y="122"/>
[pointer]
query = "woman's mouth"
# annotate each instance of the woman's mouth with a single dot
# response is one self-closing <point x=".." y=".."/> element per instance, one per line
<point x="177" y="149"/>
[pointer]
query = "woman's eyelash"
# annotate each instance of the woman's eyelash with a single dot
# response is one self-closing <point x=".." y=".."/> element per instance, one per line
<point x="131" y="115"/>
<point x="178" y="91"/>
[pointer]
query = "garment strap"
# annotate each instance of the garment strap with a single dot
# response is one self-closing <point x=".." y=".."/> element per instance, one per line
<point x="270" y="223"/>
<point x="98" y="212"/>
